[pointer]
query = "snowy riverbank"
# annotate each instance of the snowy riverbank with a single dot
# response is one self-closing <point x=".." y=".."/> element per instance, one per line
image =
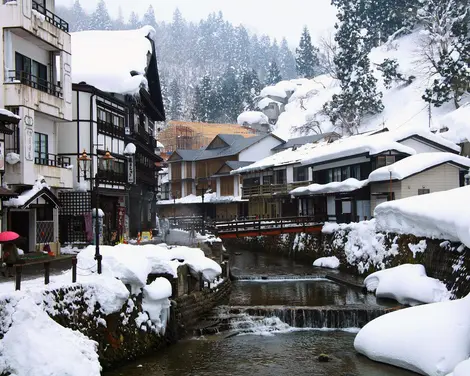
<point x="26" y="316"/>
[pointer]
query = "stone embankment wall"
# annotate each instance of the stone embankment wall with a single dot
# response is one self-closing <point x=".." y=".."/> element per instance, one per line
<point x="124" y="336"/>
<point x="447" y="261"/>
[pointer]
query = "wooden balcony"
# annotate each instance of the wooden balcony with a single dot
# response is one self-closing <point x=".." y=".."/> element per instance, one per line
<point x="271" y="189"/>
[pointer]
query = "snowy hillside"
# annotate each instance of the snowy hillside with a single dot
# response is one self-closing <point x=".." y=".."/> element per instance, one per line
<point x="404" y="106"/>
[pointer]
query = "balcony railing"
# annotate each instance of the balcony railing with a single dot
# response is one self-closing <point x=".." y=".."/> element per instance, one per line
<point x="112" y="176"/>
<point x="52" y="160"/>
<point x="271" y="189"/>
<point x="110" y="129"/>
<point x="35" y="82"/>
<point x="51" y="17"/>
<point x="145" y="137"/>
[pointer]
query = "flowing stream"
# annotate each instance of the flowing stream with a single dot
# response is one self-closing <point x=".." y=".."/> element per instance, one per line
<point x="281" y="316"/>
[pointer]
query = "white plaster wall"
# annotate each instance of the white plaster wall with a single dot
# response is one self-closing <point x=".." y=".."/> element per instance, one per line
<point x="46" y="126"/>
<point x="420" y="146"/>
<point x="260" y="150"/>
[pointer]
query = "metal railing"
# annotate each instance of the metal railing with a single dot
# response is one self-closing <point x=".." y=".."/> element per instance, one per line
<point x="35" y="82"/>
<point x="51" y="17"/>
<point x="110" y="129"/>
<point x="269" y="224"/>
<point x="52" y="160"/>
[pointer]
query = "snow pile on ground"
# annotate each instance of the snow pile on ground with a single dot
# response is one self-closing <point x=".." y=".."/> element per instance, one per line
<point x="252" y="117"/>
<point x="132" y="264"/>
<point x="414" y="164"/>
<point x="35" y="345"/>
<point x="347" y="185"/>
<point x="430" y="339"/>
<point x="97" y="62"/>
<point x="407" y="284"/>
<point x="363" y="246"/>
<point x="155" y="302"/>
<point x="404" y="106"/>
<point x="69" y="250"/>
<point x="440" y="215"/>
<point x="327" y="262"/>
<point x="462" y="369"/>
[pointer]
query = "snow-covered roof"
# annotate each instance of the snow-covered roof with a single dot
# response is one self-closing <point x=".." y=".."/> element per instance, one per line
<point x="24" y="197"/>
<point x="439" y="215"/>
<point x="105" y="59"/>
<point x="273" y="91"/>
<point x="285" y="157"/>
<point x="374" y="144"/>
<point x="458" y="124"/>
<point x="415" y="164"/>
<point x="347" y="185"/>
<point x="252" y="117"/>
<point x="9" y="114"/>
<point x="265" y="102"/>
<point x="208" y="198"/>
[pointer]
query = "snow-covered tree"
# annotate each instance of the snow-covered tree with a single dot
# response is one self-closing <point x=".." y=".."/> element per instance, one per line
<point x="231" y="96"/>
<point x="134" y="21"/>
<point x="359" y="96"/>
<point x="447" y="49"/>
<point x="100" y="19"/>
<point x="176" y="103"/>
<point x="390" y="72"/>
<point x="149" y="17"/>
<point x="119" y="22"/>
<point x="286" y="59"/>
<point x="80" y="18"/>
<point x="205" y="106"/>
<point x="307" y="56"/>
<point x="251" y="88"/>
<point x="274" y="75"/>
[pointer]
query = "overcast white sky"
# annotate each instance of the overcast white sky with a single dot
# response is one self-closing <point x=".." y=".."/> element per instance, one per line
<point x="275" y="18"/>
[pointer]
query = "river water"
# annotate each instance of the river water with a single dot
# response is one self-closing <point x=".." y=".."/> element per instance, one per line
<point x="265" y="346"/>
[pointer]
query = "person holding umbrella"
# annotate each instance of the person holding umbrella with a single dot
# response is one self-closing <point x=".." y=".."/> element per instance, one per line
<point x="10" y="255"/>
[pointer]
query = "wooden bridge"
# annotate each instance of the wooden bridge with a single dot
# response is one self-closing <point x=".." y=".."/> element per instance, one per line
<point x="268" y="226"/>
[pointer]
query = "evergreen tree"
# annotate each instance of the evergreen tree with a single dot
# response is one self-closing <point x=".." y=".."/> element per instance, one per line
<point x="176" y="104"/>
<point x="80" y="18"/>
<point x="149" y="17"/>
<point x="274" y="75"/>
<point x="100" y="19"/>
<point x="287" y="64"/>
<point x="231" y="96"/>
<point x="119" y="22"/>
<point x="359" y="94"/>
<point x="251" y="88"/>
<point x="204" y="106"/>
<point x="241" y="49"/>
<point x="134" y="21"/>
<point x="307" y="56"/>
<point x="447" y="24"/>
<point x="165" y="93"/>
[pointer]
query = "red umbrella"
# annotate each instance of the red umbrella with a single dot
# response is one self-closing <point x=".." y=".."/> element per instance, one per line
<point x="8" y="236"/>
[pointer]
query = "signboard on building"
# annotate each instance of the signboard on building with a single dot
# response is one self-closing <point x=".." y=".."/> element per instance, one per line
<point x="2" y="156"/>
<point x="131" y="175"/>
<point x="29" y="144"/>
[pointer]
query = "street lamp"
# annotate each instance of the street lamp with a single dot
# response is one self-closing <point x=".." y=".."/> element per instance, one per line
<point x="174" y="206"/>
<point x="203" y="192"/>
<point x="84" y="162"/>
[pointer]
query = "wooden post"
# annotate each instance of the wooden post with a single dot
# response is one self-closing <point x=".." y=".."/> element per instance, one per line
<point x="47" y="266"/>
<point x="74" y="270"/>
<point x="18" y="270"/>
